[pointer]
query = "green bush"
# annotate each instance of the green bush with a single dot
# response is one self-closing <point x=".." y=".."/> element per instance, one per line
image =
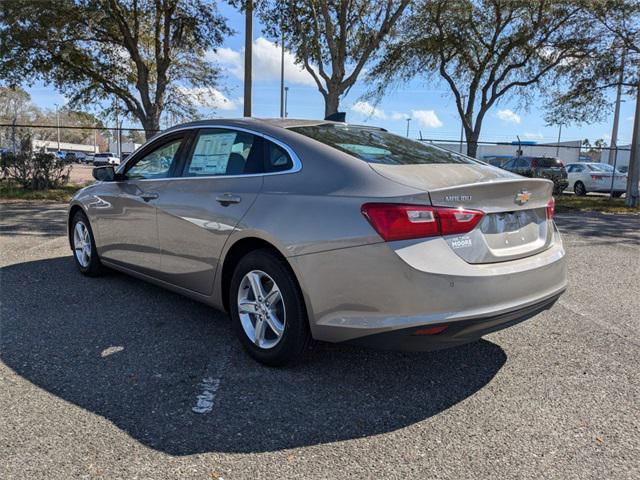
<point x="35" y="171"/>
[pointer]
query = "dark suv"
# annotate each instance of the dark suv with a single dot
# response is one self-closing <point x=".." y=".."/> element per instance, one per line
<point x="540" y="167"/>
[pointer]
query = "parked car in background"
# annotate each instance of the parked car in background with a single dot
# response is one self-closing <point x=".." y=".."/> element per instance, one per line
<point x="105" y="158"/>
<point x="307" y="229"/>
<point x="624" y="169"/>
<point x="595" y="177"/>
<point x="70" y="157"/>
<point x="540" y="167"/>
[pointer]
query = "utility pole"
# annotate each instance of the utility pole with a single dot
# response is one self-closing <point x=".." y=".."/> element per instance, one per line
<point x="248" y="44"/>
<point x="613" y="148"/>
<point x="117" y="133"/>
<point x="464" y="98"/>
<point x="281" y="71"/>
<point x="558" y="144"/>
<point x="58" y="126"/>
<point x="408" y="122"/>
<point x="286" y="97"/>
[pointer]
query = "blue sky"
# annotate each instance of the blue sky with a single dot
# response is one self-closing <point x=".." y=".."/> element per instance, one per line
<point x="430" y="106"/>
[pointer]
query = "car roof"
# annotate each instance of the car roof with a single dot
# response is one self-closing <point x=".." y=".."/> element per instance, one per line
<point x="261" y="124"/>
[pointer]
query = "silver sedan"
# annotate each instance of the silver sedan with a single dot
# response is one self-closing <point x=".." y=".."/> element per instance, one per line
<point x="319" y="230"/>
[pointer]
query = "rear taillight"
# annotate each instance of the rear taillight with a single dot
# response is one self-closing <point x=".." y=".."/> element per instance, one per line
<point x="534" y="163"/>
<point x="551" y="208"/>
<point x="597" y="177"/>
<point x="395" y="221"/>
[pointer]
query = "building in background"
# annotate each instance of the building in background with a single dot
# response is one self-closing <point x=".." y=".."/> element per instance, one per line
<point x="567" y="152"/>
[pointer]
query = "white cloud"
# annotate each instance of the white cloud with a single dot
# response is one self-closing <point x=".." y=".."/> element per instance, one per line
<point x="266" y="63"/>
<point x="427" y="118"/>
<point x="211" y="98"/>
<point x="368" y="110"/>
<point x="508" y="116"/>
<point x="533" y="136"/>
<point x="399" y="116"/>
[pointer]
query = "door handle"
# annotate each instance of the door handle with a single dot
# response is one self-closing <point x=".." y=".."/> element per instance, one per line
<point x="227" y="199"/>
<point x="148" y="196"/>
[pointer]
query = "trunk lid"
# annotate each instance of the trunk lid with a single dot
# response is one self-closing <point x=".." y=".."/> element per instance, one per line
<point x="515" y="224"/>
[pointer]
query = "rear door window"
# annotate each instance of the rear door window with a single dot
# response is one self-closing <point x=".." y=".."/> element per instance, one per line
<point x="277" y="158"/>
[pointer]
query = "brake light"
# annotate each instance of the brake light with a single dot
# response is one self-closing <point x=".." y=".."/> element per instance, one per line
<point x="534" y="163"/>
<point x="597" y="177"/>
<point x="395" y="221"/>
<point x="551" y="208"/>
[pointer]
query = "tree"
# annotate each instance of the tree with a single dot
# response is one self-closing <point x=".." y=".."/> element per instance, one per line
<point x="332" y="39"/>
<point x="585" y="98"/>
<point x="15" y="108"/>
<point x="146" y="53"/>
<point x="483" y="51"/>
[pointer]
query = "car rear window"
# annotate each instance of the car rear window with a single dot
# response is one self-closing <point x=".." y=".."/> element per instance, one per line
<point x="548" y="162"/>
<point x="601" y="167"/>
<point x="377" y="146"/>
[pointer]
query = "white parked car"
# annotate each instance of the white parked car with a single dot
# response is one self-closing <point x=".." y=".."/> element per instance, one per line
<point x="595" y="177"/>
<point x="105" y="158"/>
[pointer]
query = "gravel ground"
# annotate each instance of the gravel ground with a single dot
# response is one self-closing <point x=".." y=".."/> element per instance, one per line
<point x="98" y="378"/>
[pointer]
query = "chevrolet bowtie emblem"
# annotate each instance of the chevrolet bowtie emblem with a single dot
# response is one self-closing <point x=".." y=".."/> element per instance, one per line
<point x="522" y="197"/>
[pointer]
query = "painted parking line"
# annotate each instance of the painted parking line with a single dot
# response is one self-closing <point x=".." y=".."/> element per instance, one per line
<point x="210" y="384"/>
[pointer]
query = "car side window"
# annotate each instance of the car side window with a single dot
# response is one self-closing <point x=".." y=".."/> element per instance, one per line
<point x="570" y="168"/>
<point x="578" y="168"/>
<point x="155" y="164"/>
<point x="220" y="152"/>
<point x="278" y="160"/>
<point x="522" y="163"/>
<point x="509" y="164"/>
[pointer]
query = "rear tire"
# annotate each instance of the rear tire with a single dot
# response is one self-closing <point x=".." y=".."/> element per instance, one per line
<point x="272" y="324"/>
<point x="579" y="189"/>
<point x="85" y="253"/>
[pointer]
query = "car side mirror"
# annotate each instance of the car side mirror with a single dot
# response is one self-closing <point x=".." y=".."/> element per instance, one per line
<point x="104" y="174"/>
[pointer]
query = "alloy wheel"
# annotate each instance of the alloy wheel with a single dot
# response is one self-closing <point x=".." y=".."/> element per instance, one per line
<point x="261" y="309"/>
<point x="82" y="244"/>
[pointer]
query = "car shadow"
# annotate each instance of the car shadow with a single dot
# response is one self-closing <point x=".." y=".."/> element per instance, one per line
<point x="137" y="355"/>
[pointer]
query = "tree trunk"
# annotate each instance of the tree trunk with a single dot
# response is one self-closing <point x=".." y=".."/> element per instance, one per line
<point x="633" y="177"/>
<point x="331" y="103"/>
<point x="472" y="143"/>
<point x="151" y="126"/>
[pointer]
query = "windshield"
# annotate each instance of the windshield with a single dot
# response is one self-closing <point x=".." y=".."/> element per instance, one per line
<point x="377" y="146"/>
<point x="601" y="167"/>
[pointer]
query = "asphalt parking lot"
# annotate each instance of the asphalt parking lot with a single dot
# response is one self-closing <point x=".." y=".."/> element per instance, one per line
<point x="99" y="379"/>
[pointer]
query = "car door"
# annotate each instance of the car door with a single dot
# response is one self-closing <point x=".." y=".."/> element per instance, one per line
<point x="126" y="209"/>
<point x="217" y="183"/>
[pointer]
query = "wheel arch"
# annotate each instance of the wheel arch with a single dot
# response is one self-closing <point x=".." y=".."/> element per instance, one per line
<point x="75" y="208"/>
<point x="239" y="249"/>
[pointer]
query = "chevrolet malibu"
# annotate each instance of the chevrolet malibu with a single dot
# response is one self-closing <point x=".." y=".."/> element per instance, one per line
<point x="321" y="230"/>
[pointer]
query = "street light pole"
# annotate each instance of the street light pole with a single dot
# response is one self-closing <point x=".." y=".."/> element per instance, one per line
<point x="408" y="122"/>
<point x="248" y="43"/>
<point x="281" y="72"/>
<point x="286" y="97"/>
<point x="558" y="144"/>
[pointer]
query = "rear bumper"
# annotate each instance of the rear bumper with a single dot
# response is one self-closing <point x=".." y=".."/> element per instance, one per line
<point x="457" y="333"/>
<point x="359" y="292"/>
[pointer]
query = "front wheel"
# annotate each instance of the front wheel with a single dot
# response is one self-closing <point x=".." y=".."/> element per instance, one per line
<point x="85" y="253"/>
<point x="267" y="309"/>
